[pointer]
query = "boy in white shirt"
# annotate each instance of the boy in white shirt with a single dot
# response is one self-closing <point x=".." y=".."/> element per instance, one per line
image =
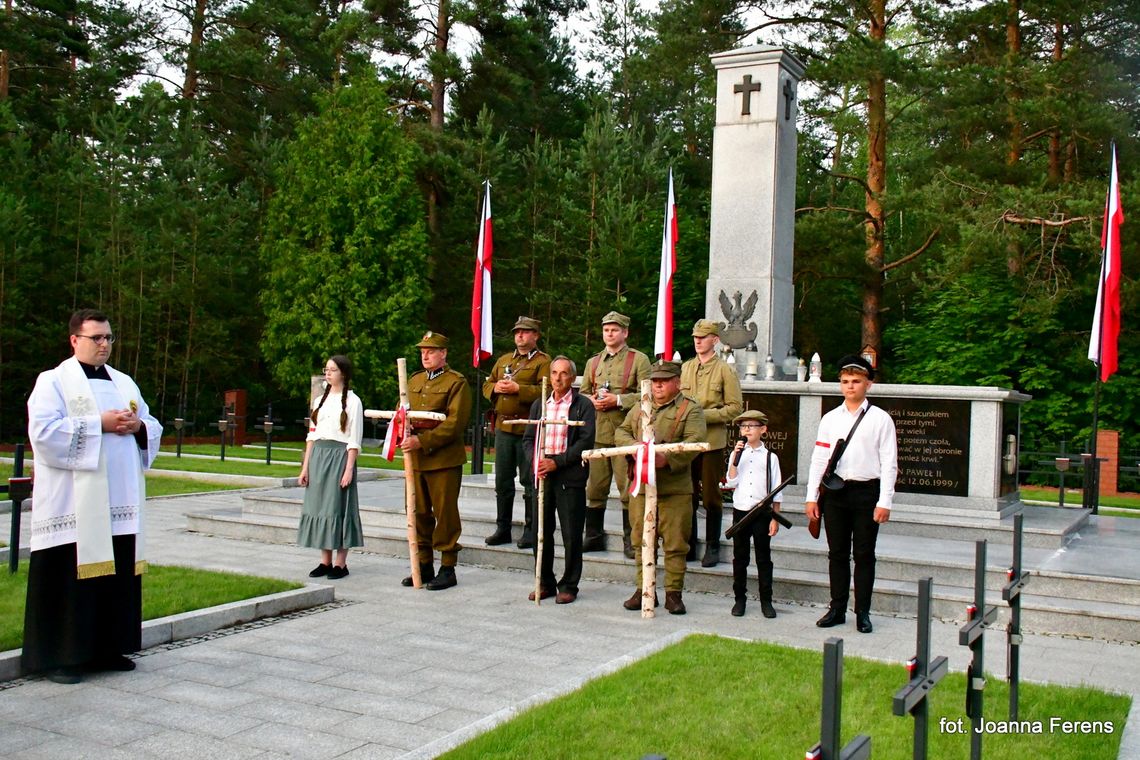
<point x="753" y="471"/>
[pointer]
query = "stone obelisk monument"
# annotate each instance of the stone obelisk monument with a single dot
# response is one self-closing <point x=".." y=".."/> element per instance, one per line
<point x="753" y="198"/>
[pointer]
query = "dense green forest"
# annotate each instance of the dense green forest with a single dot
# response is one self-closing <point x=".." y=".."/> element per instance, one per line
<point x="247" y="186"/>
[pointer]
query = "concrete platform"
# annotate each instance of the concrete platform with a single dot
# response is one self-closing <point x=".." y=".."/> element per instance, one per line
<point x="400" y="673"/>
<point x="1089" y="586"/>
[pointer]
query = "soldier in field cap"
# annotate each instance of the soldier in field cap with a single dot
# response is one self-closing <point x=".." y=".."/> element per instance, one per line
<point x="715" y="386"/>
<point x="438" y="455"/>
<point x="676" y="419"/>
<point x="612" y="381"/>
<point x="514" y="384"/>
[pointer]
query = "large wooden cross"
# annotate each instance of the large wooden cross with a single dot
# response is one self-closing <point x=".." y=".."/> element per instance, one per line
<point x="539" y="450"/>
<point x="409" y="463"/>
<point x="649" y="527"/>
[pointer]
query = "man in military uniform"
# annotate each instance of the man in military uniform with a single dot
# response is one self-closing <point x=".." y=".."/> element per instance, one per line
<point x="676" y="419"/>
<point x="438" y="455"/>
<point x="514" y="384"/>
<point x="715" y="386"/>
<point x="612" y="380"/>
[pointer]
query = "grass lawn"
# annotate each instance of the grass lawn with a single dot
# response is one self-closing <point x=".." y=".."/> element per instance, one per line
<point x="167" y="590"/>
<point x="715" y="698"/>
<point x="1127" y="505"/>
<point x="167" y="485"/>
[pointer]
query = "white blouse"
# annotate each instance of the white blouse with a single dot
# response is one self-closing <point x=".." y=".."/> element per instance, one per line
<point x="327" y="427"/>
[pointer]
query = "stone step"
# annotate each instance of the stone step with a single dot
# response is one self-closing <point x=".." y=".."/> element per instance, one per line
<point x="899" y="558"/>
<point x="796" y="581"/>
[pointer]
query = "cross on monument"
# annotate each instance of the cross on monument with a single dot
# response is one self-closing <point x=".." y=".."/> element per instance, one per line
<point x="409" y="469"/>
<point x="747" y="88"/>
<point x="649" y="527"/>
<point x="789" y="96"/>
<point x="540" y="448"/>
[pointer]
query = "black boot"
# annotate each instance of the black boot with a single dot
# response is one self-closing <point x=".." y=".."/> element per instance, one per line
<point x="712" y="537"/>
<point x="528" y="538"/>
<point x="626" y="543"/>
<point x="765" y="573"/>
<point x="445" y="579"/>
<point x="427" y="573"/>
<point x="595" y="540"/>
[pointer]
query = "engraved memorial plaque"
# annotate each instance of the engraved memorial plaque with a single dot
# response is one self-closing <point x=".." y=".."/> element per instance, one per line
<point x="933" y="441"/>
<point x="782" y="437"/>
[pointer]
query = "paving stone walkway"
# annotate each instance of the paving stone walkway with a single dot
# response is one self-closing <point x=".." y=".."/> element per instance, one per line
<point x="392" y="672"/>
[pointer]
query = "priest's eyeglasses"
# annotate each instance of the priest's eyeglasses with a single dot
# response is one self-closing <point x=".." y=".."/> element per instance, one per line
<point x="98" y="339"/>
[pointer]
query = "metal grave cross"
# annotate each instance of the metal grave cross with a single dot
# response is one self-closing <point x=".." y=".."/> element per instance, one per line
<point x="405" y="411"/>
<point x="924" y="672"/>
<point x="539" y="449"/>
<point x="649" y="527"/>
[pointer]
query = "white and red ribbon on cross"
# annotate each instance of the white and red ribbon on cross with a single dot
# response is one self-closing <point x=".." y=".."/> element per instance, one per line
<point x="644" y="467"/>
<point x="397" y="432"/>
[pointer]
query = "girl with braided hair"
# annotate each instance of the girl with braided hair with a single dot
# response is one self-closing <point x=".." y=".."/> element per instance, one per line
<point x="330" y="517"/>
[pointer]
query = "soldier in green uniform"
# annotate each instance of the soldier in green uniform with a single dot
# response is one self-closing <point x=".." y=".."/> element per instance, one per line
<point x="514" y="384"/>
<point x="676" y="419"/>
<point x="612" y="381"/>
<point x="715" y="386"/>
<point x="438" y="455"/>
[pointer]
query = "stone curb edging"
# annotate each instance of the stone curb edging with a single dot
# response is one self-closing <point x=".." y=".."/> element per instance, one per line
<point x="186" y="625"/>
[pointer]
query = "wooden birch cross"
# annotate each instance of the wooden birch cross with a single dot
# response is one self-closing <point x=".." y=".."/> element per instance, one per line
<point x="404" y="417"/>
<point x="539" y="451"/>
<point x="649" y="526"/>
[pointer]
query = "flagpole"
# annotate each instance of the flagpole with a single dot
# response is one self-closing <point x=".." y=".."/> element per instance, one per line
<point x="480" y="321"/>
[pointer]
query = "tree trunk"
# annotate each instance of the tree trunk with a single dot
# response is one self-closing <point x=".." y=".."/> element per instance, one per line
<point x="1055" y="133"/>
<point x="4" y="56"/>
<point x="197" y="32"/>
<point x="875" y="255"/>
<point x="438" y="90"/>
<point x="1013" y="93"/>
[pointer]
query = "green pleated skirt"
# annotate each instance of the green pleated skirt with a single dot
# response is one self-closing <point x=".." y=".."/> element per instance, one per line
<point x="330" y="517"/>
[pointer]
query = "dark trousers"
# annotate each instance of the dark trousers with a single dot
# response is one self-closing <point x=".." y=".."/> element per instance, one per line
<point x="569" y="503"/>
<point x="706" y="472"/>
<point x="70" y="622"/>
<point x="848" y="518"/>
<point x="509" y="462"/>
<point x="742" y="542"/>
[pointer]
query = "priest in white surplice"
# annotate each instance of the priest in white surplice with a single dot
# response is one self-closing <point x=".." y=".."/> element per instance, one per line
<point x="92" y="436"/>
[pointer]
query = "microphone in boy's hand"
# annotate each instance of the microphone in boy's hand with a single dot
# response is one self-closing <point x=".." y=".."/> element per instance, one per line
<point x="739" y="452"/>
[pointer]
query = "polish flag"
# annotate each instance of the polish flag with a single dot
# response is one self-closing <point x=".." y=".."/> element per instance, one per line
<point x="663" y="341"/>
<point x="1106" y="318"/>
<point x="645" y="468"/>
<point x="396" y="434"/>
<point x="481" y="293"/>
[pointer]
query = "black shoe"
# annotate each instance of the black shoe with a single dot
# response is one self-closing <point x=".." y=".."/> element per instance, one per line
<point x="338" y="572"/>
<point x="832" y="618"/>
<point x="498" y="537"/>
<point x="427" y="573"/>
<point x="320" y="571"/>
<point x="738" y="608"/>
<point x="712" y="555"/>
<point x="118" y="662"/>
<point x="444" y="579"/>
<point x="526" y="542"/>
<point x="766" y="608"/>
<point x="67" y="676"/>
<point x="594" y="543"/>
<point x="863" y="622"/>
